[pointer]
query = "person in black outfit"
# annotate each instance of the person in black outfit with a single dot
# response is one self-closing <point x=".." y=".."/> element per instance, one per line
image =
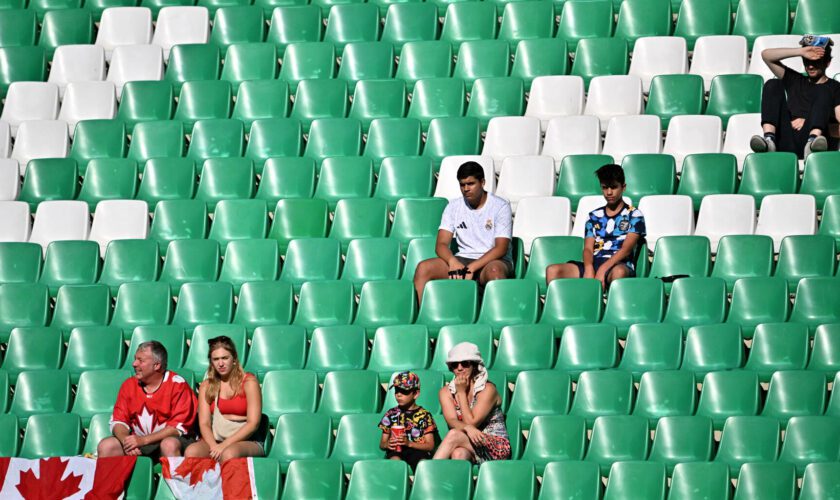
<point x="797" y="109"/>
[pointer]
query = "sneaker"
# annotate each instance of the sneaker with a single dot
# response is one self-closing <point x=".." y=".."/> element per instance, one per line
<point x="819" y="143"/>
<point x="761" y="144"/>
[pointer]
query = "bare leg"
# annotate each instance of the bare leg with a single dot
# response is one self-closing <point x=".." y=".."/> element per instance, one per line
<point x="768" y="128"/>
<point x="430" y="269"/>
<point x="558" y="271"/>
<point x="242" y="449"/>
<point x="496" y="270"/>
<point x="460" y="453"/>
<point x="170" y="447"/>
<point x="198" y="449"/>
<point x="454" y="439"/>
<point x="110" y="447"/>
<point x="617" y="272"/>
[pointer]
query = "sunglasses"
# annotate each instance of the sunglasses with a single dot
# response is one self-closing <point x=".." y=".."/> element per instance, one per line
<point x="405" y="392"/>
<point x="456" y="364"/>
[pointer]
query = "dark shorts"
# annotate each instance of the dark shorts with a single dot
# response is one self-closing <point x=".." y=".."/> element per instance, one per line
<point x="508" y="264"/>
<point x="410" y="456"/>
<point x="631" y="272"/>
<point x="153" y="450"/>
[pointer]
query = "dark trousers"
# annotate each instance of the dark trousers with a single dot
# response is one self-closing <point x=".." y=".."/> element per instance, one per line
<point x="775" y="111"/>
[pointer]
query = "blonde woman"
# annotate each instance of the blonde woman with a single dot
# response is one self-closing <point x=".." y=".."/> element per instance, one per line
<point x="229" y="407"/>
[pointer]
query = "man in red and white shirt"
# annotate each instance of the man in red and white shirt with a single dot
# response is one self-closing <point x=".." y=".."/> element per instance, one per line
<point x="155" y="410"/>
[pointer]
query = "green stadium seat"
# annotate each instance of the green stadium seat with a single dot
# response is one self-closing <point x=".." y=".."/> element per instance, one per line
<point x="526" y="21"/>
<point x="293" y="24"/>
<point x="39" y="392"/>
<point x="276" y="347"/>
<point x="204" y="100"/>
<point x="748" y="439"/>
<point x="579" y="21"/>
<point x="70" y="262"/>
<point x="157" y="5"/>
<point x="652" y="347"/>
<point x="825" y="355"/>
<point x="97" y="391"/>
<point x="641" y="300"/>
<point x="681" y="255"/>
<point x="264" y="303"/>
<point x="442" y="479"/>
<point x="697" y="301"/>
<point x="49" y="179"/>
<point x="359" y="218"/>
<point x="139" y="304"/>
<point x="447" y="302"/>
<point x="309" y="60"/>
<point x="587" y="347"/>
<point x="52" y="435"/>
<point x="192" y="62"/>
<point x="492" y="97"/>
<point x="729" y="394"/>
<point x="98" y="429"/>
<point x="9" y="435"/>
<point x="636" y="479"/>
<point x="146" y="101"/>
<point x="65" y="27"/>
<point x="422" y="60"/>
<point x="816" y="302"/>
<point x="190" y="260"/>
<point x="530" y="401"/>
<point x="203" y="303"/>
<point x="250" y="261"/>
<point x="372" y="259"/>
<point x="393" y="137"/>
<point x="225" y="179"/>
<point x="289" y="391"/>
<point x="816" y="16"/>
<point x="669" y="393"/>
<point x="344" y="178"/>
<point x="603" y="393"/>
<point x="833" y="409"/>
<point x="674" y="95"/>
<point x="300" y="436"/>
<point x="778" y="347"/>
<point x="465" y="21"/>
<point x="451" y="335"/>
<point x="271" y="138"/>
<point x="172" y="338"/>
<point x="419" y="249"/>
<point x="232" y="25"/>
<point x="325" y="303"/>
<point x="156" y="139"/>
<point x="810" y="439"/>
<point x="830" y="223"/>
<point x="713" y="347"/>
<point x="524" y="348"/>
<point x="756" y="18"/>
<point x="109" y="179"/>
<point x="682" y="439"/>
<point x="571" y="302"/>
<point x="571" y="479"/>
<point x="743" y="256"/>
<point x="178" y="219"/>
<point x="366" y="61"/>
<point x="250" y="62"/>
<point x="482" y="59"/>
<point x="777" y="173"/>
<point x="32" y="349"/>
<point x="506" y="478"/>
<point x="330" y="137"/>
<point x="286" y="178"/>
<point x="538" y="57"/>
<point x="707" y="173"/>
<point x="416" y="218"/>
<point x="93" y="348"/>
<point x="383" y="478"/>
<point x="311" y="259"/>
<point x="20" y="262"/>
<point x="734" y="94"/>
<point x="81" y="305"/>
<point x="400" y="348"/>
<point x="699" y="479"/>
<point x="22" y="305"/>
<point x="261" y="99"/>
<point x="21" y="64"/>
<point x="795" y="393"/>
<point x="404" y="177"/>
<point x="696" y="19"/>
<point x="239" y="219"/>
<point x="337" y="348"/>
<point x="199" y="353"/>
<point x="555" y="438"/>
<point x="643" y="18"/>
<point x="548" y="250"/>
<point x="350" y="23"/>
<point x="649" y="174"/>
<point x="618" y="438"/>
<point x="351" y="392"/>
<point x="756" y="301"/>
<point x="510" y="302"/>
<point x="600" y="56"/>
<point x="765" y="480"/>
<point x="409" y="22"/>
<point x="314" y="478"/>
<point x="437" y="98"/>
<point x="374" y="99"/>
<point x="18" y="27"/>
<point x="820" y="481"/>
<point x="97" y="139"/>
<point x="577" y="176"/>
<point x="817" y="179"/>
<point x="452" y="136"/>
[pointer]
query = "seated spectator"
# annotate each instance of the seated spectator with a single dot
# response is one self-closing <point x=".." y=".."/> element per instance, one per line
<point x="612" y="233"/>
<point x="229" y="408"/>
<point x="155" y="410"/>
<point x="472" y="409"/>
<point x="797" y="110"/>
<point x="482" y="225"/>
<point x="417" y="432"/>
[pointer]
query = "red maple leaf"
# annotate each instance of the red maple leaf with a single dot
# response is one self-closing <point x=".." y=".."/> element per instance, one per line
<point x="195" y="468"/>
<point x="49" y="485"/>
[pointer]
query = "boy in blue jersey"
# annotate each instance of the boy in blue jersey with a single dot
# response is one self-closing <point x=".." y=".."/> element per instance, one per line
<point x="612" y="233"/>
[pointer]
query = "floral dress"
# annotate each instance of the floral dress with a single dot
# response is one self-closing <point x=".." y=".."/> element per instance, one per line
<point x="496" y="442"/>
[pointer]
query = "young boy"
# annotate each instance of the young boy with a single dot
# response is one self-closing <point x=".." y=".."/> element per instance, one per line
<point x="419" y="429"/>
<point x="612" y="233"/>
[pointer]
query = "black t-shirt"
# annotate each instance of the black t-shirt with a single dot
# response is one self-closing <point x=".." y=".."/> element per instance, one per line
<point x="801" y="93"/>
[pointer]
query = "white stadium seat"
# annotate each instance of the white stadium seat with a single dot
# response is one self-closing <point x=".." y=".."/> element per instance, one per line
<point x="447" y="184"/>
<point x="725" y="214"/>
<point x="27" y="101"/>
<point x="119" y="220"/>
<point x="719" y="55"/>
<point x="691" y="134"/>
<point x="525" y="177"/>
<point x="124" y="26"/>
<point x="9" y="179"/>
<point x="658" y="55"/>
<point x="135" y="62"/>
<point x="181" y="25"/>
<point x="5" y="139"/>
<point x="541" y="216"/>
<point x="585" y="205"/>
<point x="783" y="215"/>
<point x="40" y="139"/>
<point x="572" y="135"/>
<point x="554" y="96"/>
<point x="738" y="132"/>
<point x="614" y="95"/>
<point x="88" y="101"/>
<point x="512" y="136"/>
<point x="77" y="63"/>
<point x="14" y="221"/>
<point x="632" y="135"/>
<point x="59" y="221"/>
<point x="667" y="215"/>
<point x="757" y="65"/>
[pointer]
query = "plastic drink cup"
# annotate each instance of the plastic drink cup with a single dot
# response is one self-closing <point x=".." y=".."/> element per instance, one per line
<point x="397" y="432"/>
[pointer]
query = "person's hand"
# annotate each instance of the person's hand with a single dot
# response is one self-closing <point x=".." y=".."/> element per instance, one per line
<point x="461" y="383"/>
<point x="455" y="268"/>
<point x="134" y="452"/>
<point x="216" y="451"/>
<point x="798" y="123"/>
<point x="132" y="442"/>
<point x="393" y="442"/>
<point x="470" y="272"/>
<point x="475" y="435"/>
<point x="813" y="53"/>
<point x="588" y="272"/>
<point x="601" y="276"/>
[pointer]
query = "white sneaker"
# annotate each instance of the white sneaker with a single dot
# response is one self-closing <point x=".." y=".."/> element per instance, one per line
<point x="819" y="143"/>
<point x="761" y="144"/>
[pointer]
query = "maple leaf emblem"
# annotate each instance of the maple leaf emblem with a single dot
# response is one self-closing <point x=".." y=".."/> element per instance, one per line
<point x="50" y="485"/>
<point x="146" y="424"/>
<point x="195" y="468"/>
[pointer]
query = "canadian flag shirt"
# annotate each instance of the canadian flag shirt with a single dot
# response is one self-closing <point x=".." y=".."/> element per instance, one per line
<point x="173" y="404"/>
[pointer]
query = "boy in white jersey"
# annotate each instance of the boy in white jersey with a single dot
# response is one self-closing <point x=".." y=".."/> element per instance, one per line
<point x="482" y="225"/>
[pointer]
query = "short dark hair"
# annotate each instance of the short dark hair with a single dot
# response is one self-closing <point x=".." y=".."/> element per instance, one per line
<point x="158" y="352"/>
<point x="610" y="174"/>
<point x="471" y="169"/>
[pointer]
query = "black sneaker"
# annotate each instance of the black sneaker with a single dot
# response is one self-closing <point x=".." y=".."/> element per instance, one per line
<point x="819" y="143"/>
<point x="761" y="144"/>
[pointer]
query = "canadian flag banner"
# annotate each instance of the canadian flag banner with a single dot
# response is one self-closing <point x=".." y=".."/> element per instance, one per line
<point x="204" y="478"/>
<point x="65" y="478"/>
